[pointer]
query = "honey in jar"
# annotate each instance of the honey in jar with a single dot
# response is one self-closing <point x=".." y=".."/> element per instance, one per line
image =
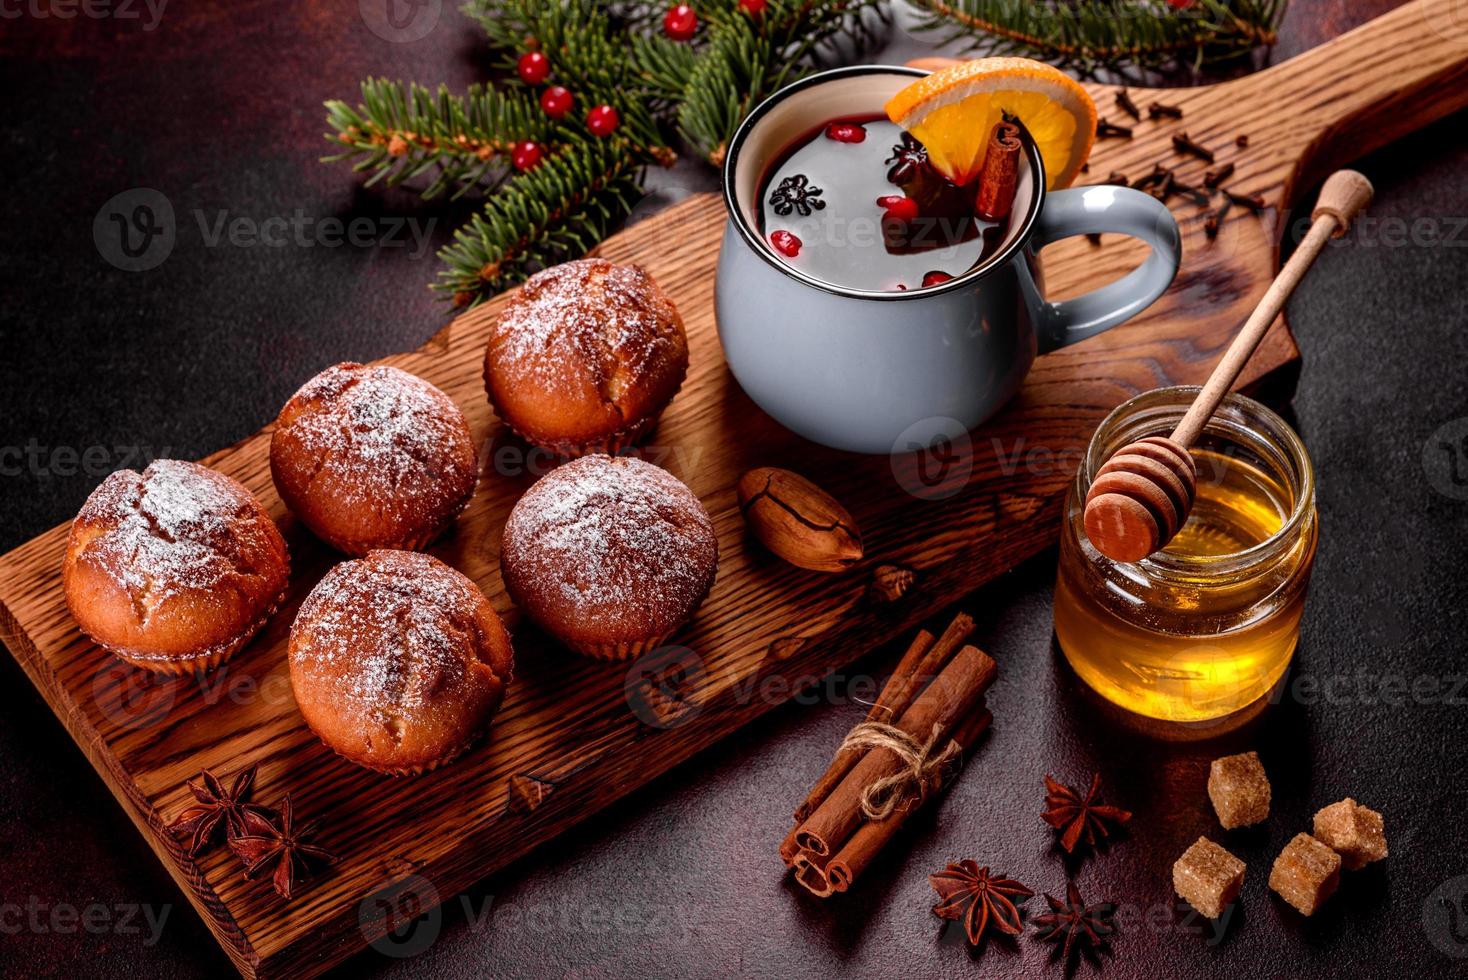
<point x="1205" y="628"/>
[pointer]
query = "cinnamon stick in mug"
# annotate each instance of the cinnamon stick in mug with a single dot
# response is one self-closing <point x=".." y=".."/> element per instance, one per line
<point x="1000" y="176"/>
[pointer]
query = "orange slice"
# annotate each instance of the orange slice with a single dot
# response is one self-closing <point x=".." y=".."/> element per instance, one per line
<point x="953" y="111"/>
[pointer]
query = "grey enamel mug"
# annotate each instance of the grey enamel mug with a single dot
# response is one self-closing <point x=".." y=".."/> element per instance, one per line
<point x="882" y="372"/>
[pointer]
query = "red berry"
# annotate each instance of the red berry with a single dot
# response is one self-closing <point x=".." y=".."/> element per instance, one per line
<point x="533" y="67"/>
<point x="785" y="243"/>
<point x="936" y="278"/>
<point x="753" y="8"/>
<point x="898" y="208"/>
<point x="846" y="132"/>
<point x="1180" y="4"/>
<point x="556" y="101"/>
<point x="680" y="23"/>
<point x="526" y="155"/>
<point x="603" y="120"/>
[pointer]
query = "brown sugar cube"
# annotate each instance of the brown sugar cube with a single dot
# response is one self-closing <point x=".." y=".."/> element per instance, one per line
<point x="1207" y="877"/>
<point x="1352" y="831"/>
<point x="1306" y="873"/>
<point x="1239" y="790"/>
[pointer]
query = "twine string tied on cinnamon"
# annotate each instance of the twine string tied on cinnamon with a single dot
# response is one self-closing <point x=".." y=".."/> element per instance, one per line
<point x="923" y="765"/>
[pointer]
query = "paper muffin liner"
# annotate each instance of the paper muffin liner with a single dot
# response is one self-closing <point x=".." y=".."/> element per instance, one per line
<point x="628" y="649"/>
<point x="198" y="662"/>
<point x="414" y="542"/>
<point x="618" y="651"/>
<point x="611" y="444"/>
<point x="444" y="759"/>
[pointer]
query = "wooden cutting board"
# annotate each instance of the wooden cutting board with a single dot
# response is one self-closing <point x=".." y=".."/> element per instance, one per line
<point x="574" y="734"/>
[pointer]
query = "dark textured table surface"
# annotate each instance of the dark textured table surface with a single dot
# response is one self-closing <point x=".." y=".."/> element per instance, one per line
<point x="217" y="106"/>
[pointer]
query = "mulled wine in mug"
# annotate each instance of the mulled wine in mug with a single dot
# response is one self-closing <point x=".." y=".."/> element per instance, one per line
<point x="862" y="298"/>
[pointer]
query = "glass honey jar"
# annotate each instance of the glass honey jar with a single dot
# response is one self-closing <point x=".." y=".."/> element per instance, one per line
<point x="1206" y="627"/>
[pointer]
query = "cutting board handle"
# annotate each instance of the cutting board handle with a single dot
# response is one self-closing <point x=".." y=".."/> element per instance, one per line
<point x="1360" y="91"/>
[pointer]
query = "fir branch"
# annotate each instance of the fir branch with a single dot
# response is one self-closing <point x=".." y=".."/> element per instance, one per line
<point x="746" y="60"/>
<point x="401" y="131"/>
<point x="1089" y="35"/>
<point x="589" y="54"/>
<point x="557" y="211"/>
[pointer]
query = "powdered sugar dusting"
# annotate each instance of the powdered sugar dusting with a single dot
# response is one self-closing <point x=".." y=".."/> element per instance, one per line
<point x="588" y="316"/>
<point x="378" y="432"/>
<point x="616" y="539"/>
<point x="175" y="526"/>
<point x="393" y="632"/>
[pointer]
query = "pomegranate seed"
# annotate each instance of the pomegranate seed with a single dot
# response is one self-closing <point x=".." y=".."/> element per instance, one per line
<point x="526" y="155"/>
<point x="846" y="132"/>
<point x="936" y="278"/>
<point x="603" y="120"/>
<point x="901" y="287"/>
<point x="785" y="243"/>
<point x="680" y="23"/>
<point x="556" y="101"/>
<point x="533" y="67"/>
<point x="753" y="8"/>
<point x="899" y="208"/>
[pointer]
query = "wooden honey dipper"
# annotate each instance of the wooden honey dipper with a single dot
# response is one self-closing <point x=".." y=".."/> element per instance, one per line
<point x="1145" y="491"/>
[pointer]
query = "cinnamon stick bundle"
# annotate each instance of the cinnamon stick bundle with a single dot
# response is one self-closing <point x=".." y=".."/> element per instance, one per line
<point x="918" y="665"/>
<point x="834" y="839"/>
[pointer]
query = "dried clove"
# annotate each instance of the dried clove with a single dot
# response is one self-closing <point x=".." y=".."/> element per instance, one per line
<point x="1183" y="144"/>
<point x="1251" y="201"/>
<point x="1215" y="177"/>
<point x="1125" y="103"/>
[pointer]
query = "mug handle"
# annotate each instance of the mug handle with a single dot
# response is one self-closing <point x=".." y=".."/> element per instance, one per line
<point x="1106" y="208"/>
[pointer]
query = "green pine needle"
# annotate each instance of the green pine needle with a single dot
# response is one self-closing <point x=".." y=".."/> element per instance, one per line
<point x="1088" y="36"/>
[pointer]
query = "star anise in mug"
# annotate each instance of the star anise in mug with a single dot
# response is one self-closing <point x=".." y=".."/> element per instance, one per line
<point x="908" y="157"/>
<point x="969" y="894"/>
<point x="1080" y="817"/>
<point x="795" y="193"/>
<point x="1075" y="922"/>
<point x="218" y="809"/>
<point x="281" y="850"/>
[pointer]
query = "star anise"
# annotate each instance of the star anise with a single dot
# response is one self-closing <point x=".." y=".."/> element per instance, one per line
<point x="218" y="809"/>
<point x="968" y="893"/>
<point x="1080" y="817"/>
<point x="1075" y="921"/>
<point x="907" y="158"/>
<point x="795" y="193"/>
<point x="280" y="849"/>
